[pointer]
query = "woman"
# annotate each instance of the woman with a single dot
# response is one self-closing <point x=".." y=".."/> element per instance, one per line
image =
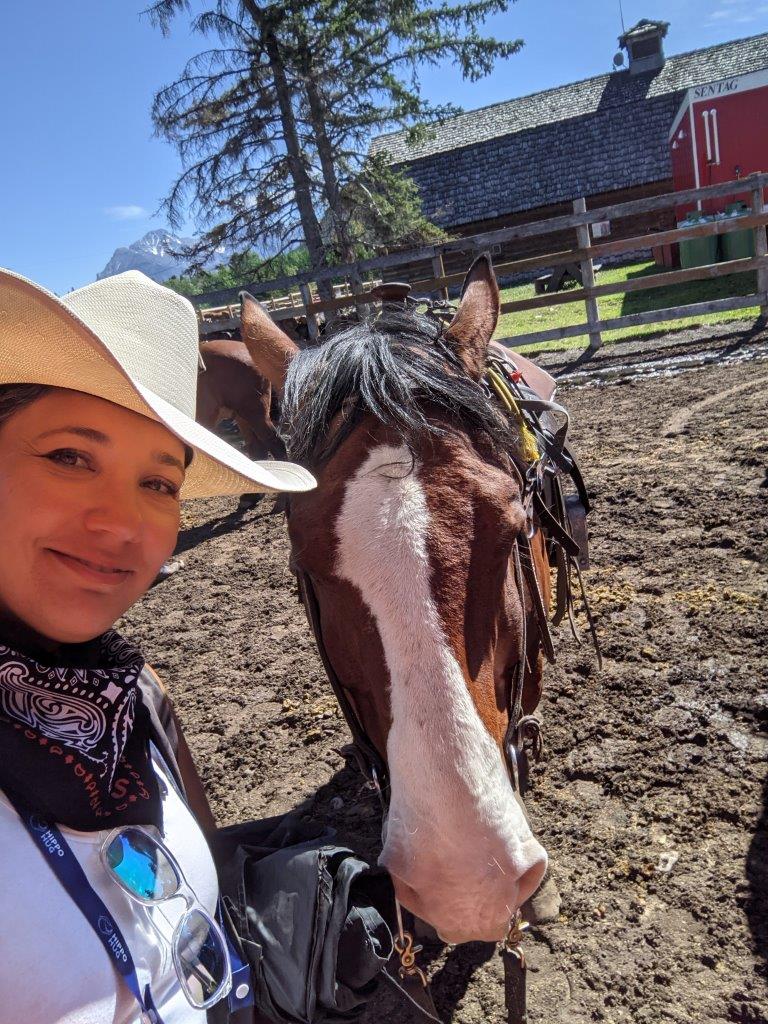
<point x="108" y="890"/>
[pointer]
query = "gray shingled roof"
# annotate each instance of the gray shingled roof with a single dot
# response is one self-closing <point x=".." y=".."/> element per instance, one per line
<point x="593" y="95"/>
<point x="599" y="135"/>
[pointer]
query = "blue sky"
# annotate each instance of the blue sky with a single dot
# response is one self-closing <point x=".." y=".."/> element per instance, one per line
<point x="82" y="173"/>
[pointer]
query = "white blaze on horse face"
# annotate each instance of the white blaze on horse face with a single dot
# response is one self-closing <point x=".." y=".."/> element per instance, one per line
<point x="456" y="841"/>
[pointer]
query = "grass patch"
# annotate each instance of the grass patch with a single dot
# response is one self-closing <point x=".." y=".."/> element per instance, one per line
<point x="609" y="306"/>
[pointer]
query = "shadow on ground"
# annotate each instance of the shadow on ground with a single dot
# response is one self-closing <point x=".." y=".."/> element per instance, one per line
<point x="757" y="877"/>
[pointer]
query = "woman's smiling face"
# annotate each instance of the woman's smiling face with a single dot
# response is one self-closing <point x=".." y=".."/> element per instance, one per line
<point x="89" y="511"/>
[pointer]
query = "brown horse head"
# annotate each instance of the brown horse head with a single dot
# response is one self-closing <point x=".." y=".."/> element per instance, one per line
<point x="408" y="541"/>
<point x="230" y="385"/>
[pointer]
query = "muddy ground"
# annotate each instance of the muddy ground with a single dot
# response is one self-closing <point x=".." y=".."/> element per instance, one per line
<point x="652" y="799"/>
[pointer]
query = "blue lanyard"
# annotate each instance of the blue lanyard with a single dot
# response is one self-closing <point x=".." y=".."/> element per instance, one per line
<point x="241" y="995"/>
<point x="62" y="861"/>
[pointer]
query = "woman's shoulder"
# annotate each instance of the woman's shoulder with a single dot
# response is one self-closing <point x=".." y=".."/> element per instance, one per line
<point x="170" y="741"/>
<point x="163" y="721"/>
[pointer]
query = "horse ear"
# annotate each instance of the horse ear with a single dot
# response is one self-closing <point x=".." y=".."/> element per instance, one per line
<point x="476" y="318"/>
<point x="270" y="348"/>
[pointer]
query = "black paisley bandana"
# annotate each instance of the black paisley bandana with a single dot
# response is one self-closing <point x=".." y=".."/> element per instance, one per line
<point x="74" y="742"/>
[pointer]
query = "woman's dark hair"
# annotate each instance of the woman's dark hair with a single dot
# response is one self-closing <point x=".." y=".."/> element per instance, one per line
<point x="14" y="397"/>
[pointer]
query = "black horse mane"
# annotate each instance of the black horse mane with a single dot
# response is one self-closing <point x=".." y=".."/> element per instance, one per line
<point x="396" y="366"/>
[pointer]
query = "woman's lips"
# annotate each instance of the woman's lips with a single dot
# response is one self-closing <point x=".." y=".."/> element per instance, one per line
<point x="94" y="572"/>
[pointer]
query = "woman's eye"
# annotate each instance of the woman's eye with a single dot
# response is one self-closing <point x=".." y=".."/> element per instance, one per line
<point x="162" y="487"/>
<point x="68" y="457"/>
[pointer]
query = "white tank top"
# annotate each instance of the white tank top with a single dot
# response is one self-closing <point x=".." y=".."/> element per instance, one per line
<point x="53" y="968"/>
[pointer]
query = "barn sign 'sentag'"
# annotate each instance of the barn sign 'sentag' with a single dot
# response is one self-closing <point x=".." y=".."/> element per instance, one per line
<point x="716" y="89"/>
<point x="712" y="90"/>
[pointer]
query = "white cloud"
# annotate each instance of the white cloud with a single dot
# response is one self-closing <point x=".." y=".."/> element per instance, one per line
<point x="738" y="12"/>
<point x="126" y="212"/>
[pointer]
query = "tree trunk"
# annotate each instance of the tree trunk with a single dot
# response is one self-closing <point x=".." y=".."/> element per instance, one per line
<point x="325" y="152"/>
<point x="317" y="112"/>
<point x="301" y="183"/>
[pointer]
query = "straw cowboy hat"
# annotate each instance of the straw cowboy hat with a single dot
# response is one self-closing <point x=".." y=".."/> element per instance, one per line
<point x="134" y="343"/>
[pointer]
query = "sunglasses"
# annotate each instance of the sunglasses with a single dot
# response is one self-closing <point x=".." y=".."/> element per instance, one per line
<point x="147" y="871"/>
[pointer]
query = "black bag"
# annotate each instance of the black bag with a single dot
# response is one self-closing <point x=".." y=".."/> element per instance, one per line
<point x="310" y="916"/>
<point x="307" y="914"/>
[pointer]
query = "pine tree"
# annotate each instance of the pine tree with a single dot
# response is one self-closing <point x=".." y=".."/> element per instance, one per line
<point x="232" y="118"/>
<point x="246" y="267"/>
<point x="273" y="125"/>
<point x="385" y="210"/>
<point x="361" y="78"/>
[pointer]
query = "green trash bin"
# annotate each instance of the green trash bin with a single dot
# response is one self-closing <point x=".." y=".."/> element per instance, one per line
<point x="738" y="245"/>
<point x="697" y="252"/>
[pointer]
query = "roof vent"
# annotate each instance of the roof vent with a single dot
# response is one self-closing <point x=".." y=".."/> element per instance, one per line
<point x="644" y="44"/>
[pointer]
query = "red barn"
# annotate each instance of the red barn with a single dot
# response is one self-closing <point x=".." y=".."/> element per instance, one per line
<point x="605" y="138"/>
<point x="720" y="133"/>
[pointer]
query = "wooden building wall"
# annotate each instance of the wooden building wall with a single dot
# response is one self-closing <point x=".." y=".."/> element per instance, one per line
<point x="626" y="227"/>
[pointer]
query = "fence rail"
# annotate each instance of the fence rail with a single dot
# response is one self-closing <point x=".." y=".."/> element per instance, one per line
<point x="585" y="252"/>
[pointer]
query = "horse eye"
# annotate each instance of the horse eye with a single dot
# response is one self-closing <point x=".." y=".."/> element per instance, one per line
<point x="393" y="470"/>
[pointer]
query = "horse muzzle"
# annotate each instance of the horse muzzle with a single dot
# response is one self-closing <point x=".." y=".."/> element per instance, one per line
<point x="466" y="900"/>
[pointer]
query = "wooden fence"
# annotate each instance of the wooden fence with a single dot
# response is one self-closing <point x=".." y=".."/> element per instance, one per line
<point x="585" y="253"/>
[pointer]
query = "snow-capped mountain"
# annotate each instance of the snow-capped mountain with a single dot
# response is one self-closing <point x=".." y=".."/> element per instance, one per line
<point x="154" y="255"/>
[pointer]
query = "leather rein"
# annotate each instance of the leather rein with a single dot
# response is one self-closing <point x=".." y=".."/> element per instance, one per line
<point x="561" y="520"/>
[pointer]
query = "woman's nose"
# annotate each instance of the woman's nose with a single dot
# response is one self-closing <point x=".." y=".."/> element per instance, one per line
<point x="116" y="512"/>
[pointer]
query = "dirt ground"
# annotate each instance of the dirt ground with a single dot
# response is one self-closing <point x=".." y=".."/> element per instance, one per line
<point x="652" y="798"/>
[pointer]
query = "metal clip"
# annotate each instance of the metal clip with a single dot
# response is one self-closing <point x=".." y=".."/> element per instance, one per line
<point x="406" y="950"/>
<point x="529" y="734"/>
<point x="513" y="940"/>
<point x="513" y="764"/>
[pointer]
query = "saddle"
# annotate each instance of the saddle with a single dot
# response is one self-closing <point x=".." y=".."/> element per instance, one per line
<point x="554" y="493"/>
<point x="538" y="380"/>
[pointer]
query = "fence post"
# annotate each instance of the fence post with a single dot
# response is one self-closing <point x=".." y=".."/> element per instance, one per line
<point x="357" y="291"/>
<point x="438" y="269"/>
<point x="306" y="298"/>
<point x="761" y="249"/>
<point x="588" y="276"/>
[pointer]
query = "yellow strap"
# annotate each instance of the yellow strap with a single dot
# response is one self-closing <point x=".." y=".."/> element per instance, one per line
<point x="507" y="399"/>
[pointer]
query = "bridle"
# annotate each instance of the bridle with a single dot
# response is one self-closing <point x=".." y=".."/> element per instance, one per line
<point x="546" y="462"/>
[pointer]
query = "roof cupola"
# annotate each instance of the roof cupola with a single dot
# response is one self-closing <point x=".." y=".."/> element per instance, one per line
<point x="645" y="45"/>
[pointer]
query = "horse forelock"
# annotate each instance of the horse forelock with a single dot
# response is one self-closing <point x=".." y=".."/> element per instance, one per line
<point x="395" y="367"/>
